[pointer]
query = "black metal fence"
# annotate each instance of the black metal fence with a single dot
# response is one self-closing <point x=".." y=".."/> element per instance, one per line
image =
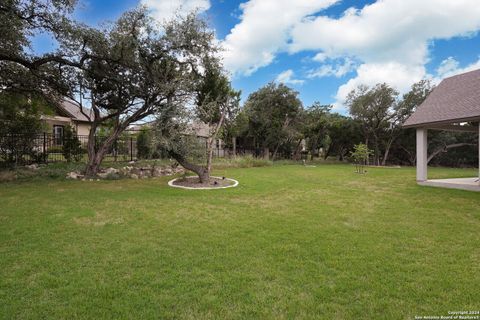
<point x="46" y="147"/>
<point x="24" y="149"/>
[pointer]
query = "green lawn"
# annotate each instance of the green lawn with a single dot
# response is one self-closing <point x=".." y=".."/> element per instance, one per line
<point x="289" y="242"/>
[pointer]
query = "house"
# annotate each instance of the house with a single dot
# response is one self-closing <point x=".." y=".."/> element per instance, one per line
<point x="67" y="113"/>
<point x="202" y="131"/>
<point x="453" y="105"/>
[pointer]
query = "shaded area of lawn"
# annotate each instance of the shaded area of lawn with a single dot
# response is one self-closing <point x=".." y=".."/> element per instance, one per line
<point x="289" y="242"/>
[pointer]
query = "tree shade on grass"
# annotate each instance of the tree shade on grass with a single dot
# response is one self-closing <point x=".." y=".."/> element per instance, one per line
<point x="289" y="242"/>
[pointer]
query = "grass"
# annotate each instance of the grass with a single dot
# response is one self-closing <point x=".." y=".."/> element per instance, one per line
<point x="289" y="242"/>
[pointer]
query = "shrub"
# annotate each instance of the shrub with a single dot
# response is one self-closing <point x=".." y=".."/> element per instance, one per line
<point x="55" y="149"/>
<point x="144" y="144"/>
<point x="20" y="124"/>
<point x="360" y="156"/>
<point x="242" y="162"/>
<point x="72" y="148"/>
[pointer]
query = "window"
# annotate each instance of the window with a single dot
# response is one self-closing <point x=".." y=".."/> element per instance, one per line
<point x="58" y="135"/>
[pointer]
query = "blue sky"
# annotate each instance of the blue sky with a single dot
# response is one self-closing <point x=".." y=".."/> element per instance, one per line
<point x="325" y="48"/>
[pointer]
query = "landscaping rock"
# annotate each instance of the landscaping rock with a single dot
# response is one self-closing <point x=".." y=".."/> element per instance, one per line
<point x="33" y="166"/>
<point x="134" y="176"/>
<point x="74" y="175"/>
<point x="179" y="170"/>
<point x="107" y="173"/>
<point x="157" y="172"/>
<point x="111" y="170"/>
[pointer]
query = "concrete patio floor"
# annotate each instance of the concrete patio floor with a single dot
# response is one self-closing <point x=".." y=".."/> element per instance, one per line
<point x="471" y="184"/>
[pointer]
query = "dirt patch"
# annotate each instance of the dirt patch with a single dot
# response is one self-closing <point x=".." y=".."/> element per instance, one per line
<point x="193" y="182"/>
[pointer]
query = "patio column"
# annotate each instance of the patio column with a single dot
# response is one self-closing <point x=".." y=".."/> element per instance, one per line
<point x="422" y="154"/>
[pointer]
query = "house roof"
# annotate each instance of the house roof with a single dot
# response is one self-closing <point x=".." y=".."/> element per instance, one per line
<point x="455" y="99"/>
<point x="73" y="111"/>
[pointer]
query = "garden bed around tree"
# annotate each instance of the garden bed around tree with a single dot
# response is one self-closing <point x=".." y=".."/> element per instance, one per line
<point x="193" y="182"/>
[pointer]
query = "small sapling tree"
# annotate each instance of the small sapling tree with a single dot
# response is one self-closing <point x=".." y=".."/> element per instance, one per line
<point x="360" y="156"/>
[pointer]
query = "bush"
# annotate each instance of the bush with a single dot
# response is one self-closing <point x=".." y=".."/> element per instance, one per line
<point x="72" y="148"/>
<point x="242" y="162"/>
<point x="20" y="124"/>
<point x="144" y="144"/>
<point x="360" y="156"/>
<point x="55" y="149"/>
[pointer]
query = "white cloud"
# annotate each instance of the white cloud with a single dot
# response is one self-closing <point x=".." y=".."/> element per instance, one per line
<point x="450" y="67"/>
<point x="287" y="77"/>
<point x="446" y="66"/>
<point x="388" y="30"/>
<point x="163" y="10"/>
<point x="264" y="31"/>
<point x="320" y="57"/>
<point x="389" y="40"/>
<point x="335" y="70"/>
<point x="390" y="37"/>
<point x="398" y="75"/>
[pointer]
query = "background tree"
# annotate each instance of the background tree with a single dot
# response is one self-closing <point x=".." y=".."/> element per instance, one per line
<point x="20" y="125"/>
<point x="374" y="108"/>
<point x="23" y="71"/>
<point x="342" y="134"/>
<point x="272" y="113"/>
<point x="402" y="110"/>
<point x="315" y="127"/>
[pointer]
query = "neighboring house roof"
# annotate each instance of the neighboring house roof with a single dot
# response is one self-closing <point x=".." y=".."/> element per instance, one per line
<point x="73" y="111"/>
<point x="197" y="128"/>
<point x="140" y="126"/>
<point x="455" y="99"/>
<point x="200" y="129"/>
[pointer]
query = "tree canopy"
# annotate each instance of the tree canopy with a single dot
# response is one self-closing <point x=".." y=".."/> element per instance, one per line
<point x="125" y="71"/>
<point x="272" y="112"/>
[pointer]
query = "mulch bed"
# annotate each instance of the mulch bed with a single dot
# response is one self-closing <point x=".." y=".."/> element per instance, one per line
<point x="194" y="182"/>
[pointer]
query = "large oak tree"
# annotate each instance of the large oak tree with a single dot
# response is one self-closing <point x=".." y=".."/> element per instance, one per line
<point x="122" y="73"/>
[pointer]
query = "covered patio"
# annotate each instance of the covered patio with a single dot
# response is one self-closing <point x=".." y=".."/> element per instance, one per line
<point x="453" y="106"/>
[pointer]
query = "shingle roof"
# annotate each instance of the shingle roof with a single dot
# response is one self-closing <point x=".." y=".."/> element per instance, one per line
<point x="73" y="109"/>
<point x="455" y="99"/>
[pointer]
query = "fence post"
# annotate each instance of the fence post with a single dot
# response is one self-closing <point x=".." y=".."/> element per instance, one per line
<point x="115" y="150"/>
<point x="45" y="156"/>
<point x="131" y="148"/>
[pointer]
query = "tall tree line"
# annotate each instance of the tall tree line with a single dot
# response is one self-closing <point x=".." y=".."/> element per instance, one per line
<point x="274" y="120"/>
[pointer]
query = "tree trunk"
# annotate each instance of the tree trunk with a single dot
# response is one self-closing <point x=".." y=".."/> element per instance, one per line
<point x="266" y="153"/>
<point x="412" y="157"/>
<point x="446" y="147"/>
<point x="234" y="144"/>
<point x="298" y="150"/>
<point x="95" y="156"/>
<point x="376" y="151"/>
<point x="387" y="151"/>
<point x="327" y="152"/>
<point x="210" y="142"/>
<point x="202" y="172"/>
<point x="274" y="155"/>
<point x="366" y="143"/>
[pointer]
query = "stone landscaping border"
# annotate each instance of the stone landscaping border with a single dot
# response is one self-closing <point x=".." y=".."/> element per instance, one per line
<point x="235" y="183"/>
